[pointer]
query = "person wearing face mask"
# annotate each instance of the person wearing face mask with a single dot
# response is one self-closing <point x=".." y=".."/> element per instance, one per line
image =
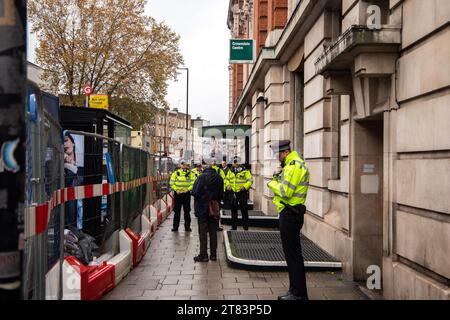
<point x="290" y="186"/>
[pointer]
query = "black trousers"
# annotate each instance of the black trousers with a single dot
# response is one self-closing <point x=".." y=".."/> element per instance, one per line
<point x="242" y="204"/>
<point x="208" y="225"/>
<point x="182" y="200"/>
<point x="290" y="226"/>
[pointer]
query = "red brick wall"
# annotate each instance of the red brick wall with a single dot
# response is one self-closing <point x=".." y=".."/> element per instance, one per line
<point x="268" y="15"/>
<point x="278" y="12"/>
<point x="238" y="73"/>
<point x="260" y="23"/>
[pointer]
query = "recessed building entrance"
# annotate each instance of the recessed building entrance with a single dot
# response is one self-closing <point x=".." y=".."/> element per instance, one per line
<point x="366" y="199"/>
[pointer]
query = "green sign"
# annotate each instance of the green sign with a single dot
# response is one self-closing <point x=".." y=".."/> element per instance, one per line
<point x="242" y="51"/>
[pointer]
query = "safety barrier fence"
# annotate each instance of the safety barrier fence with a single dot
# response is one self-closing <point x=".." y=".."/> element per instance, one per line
<point x="92" y="206"/>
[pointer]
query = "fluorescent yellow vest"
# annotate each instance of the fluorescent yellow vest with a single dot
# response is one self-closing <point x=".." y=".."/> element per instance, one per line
<point x="291" y="187"/>
<point x="238" y="180"/>
<point x="182" y="180"/>
<point x="219" y="171"/>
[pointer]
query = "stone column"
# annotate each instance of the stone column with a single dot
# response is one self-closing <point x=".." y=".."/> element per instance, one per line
<point x="257" y="150"/>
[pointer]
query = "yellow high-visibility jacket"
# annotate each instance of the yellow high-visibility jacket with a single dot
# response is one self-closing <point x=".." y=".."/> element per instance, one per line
<point x="196" y="173"/>
<point x="219" y="170"/>
<point x="291" y="186"/>
<point x="238" y="178"/>
<point x="181" y="180"/>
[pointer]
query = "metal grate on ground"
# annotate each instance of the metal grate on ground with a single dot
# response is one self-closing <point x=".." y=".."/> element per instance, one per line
<point x="262" y="248"/>
<point x="251" y="213"/>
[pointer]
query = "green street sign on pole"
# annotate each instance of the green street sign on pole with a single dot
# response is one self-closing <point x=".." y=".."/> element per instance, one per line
<point x="242" y="51"/>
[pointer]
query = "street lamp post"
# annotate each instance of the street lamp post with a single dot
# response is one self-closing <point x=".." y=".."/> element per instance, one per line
<point x="187" y="108"/>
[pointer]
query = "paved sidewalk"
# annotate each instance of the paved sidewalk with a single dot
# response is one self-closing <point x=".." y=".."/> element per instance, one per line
<point x="168" y="272"/>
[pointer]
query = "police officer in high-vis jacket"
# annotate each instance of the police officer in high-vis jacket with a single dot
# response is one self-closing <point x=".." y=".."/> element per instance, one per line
<point x="239" y="181"/>
<point x="290" y="186"/>
<point x="181" y="182"/>
<point x="197" y="171"/>
<point x="218" y="168"/>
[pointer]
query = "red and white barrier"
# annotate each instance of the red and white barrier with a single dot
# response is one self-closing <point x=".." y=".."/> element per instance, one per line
<point x="86" y="282"/>
<point x="123" y="261"/>
<point x="171" y="201"/>
<point x="146" y="231"/>
<point x="165" y="208"/>
<point x="38" y="216"/>
<point x="138" y="246"/>
<point x="52" y="282"/>
<point x="154" y="218"/>
<point x="91" y="282"/>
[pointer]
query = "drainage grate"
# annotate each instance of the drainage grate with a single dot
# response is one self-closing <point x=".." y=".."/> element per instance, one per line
<point x="251" y="213"/>
<point x="265" y="248"/>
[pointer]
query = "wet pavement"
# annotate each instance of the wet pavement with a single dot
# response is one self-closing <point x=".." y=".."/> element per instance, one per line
<point x="168" y="272"/>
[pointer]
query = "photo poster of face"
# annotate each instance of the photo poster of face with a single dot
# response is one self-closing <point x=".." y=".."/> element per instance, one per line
<point x="73" y="172"/>
<point x="111" y="178"/>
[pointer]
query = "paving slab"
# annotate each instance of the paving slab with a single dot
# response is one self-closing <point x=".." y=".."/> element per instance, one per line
<point x="168" y="272"/>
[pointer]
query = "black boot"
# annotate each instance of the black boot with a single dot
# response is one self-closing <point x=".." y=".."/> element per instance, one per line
<point x="201" y="258"/>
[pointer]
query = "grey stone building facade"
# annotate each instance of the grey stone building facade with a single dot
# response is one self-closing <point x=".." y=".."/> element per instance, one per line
<point x="362" y="88"/>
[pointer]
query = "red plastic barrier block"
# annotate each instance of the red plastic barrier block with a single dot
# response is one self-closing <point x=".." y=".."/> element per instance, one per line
<point x="138" y="246"/>
<point x="96" y="281"/>
<point x="160" y="217"/>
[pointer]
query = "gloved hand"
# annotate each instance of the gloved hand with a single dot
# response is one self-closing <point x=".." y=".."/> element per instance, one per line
<point x="229" y="188"/>
<point x="277" y="174"/>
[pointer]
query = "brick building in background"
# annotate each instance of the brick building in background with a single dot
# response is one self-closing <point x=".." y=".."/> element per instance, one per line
<point x="362" y="88"/>
<point x="165" y="134"/>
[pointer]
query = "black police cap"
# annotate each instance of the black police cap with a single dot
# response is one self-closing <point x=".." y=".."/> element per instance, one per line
<point x="281" y="145"/>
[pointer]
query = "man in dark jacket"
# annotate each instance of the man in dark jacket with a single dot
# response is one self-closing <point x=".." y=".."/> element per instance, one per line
<point x="207" y="187"/>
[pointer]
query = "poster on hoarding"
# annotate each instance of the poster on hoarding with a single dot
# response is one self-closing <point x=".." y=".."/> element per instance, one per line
<point x="73" y="173"/>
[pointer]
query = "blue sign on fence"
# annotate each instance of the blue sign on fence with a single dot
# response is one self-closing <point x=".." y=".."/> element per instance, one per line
<point x="111" y="176"/>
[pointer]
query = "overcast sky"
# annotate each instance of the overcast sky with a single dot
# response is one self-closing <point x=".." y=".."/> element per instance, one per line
<point x="204" y="45"/>
<point x="202" y="27"/>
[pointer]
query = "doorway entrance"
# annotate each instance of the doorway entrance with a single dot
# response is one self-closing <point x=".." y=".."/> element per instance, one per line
<point x="366" y="163"/>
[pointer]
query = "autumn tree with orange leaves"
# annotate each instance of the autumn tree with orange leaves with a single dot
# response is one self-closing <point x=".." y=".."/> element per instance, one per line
<point x="111" y="45"/>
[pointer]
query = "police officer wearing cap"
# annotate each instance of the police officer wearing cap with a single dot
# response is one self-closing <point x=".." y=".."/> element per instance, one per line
<point x="181" y="182"/>
<point x="217" y="168"/>
<point x="290" y="187"/>
<point x="239" y="181"/>
<point x="226" y="167"/>
<point x="197" y="171"/>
